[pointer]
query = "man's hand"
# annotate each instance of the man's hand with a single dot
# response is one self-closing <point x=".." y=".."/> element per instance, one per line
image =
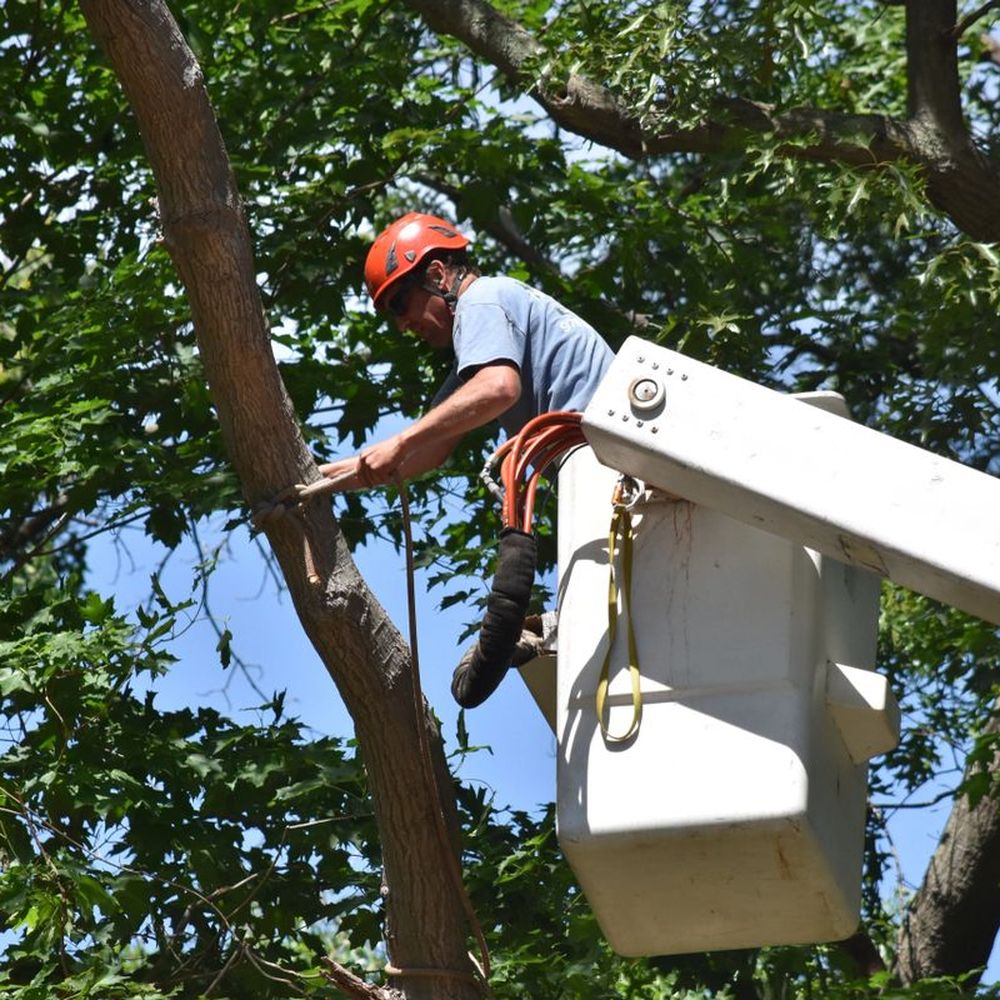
<point x="380" y="463"/>
<point x="343" y="472"/>
<point x="334" y="470"/>
<point x="427" y="443"/>
<point x="377" y="465"/>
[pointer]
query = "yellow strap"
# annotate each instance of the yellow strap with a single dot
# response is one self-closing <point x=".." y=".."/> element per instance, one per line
<point x="621" y="521"/>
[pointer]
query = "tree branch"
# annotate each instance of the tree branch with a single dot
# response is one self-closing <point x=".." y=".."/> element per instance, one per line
<point x="970" y="19"/>
<point x="961" y="182"/>
<point x="934" y="98"/>
<point x="353" y="986"/>
<point x="953" y="919"/>
<point x="21" y="539"/>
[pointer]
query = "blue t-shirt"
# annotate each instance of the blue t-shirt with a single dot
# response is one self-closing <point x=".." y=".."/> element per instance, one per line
<point x="560" y="357"/>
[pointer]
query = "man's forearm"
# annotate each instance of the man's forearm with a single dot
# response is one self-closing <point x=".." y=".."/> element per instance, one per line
<point x="427" y="442"/>
<point x="487" y="395"/>
<point x="415" y="462"/>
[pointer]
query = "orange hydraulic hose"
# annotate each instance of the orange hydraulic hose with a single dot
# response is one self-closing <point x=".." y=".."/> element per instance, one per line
<point x="568" y="443"/>
<point x="538" y="443"/>
<point x="534" y="455"/>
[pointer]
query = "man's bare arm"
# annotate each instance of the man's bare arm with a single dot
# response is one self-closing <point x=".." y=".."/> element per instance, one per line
<point x="426" y="443"/>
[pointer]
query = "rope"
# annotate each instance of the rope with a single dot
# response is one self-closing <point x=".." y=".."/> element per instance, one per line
<point x="452" y="863"/>
<point x="294" y="499"/>
<point x="621" y="523"/>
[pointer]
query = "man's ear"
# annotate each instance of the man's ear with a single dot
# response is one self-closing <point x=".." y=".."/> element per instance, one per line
<point x="436" y="273"/>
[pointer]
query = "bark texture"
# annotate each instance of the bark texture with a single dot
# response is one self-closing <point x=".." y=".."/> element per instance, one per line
<point x="206" y="233"/>
<point x="951" y="923"/>
<point x="961" y="181"/>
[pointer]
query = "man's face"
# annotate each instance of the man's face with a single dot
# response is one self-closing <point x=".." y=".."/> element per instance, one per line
<point x="418" y="309"/>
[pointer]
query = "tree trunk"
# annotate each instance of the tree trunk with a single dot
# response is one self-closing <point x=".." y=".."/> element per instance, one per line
<point x="952" y="921"/>
<point x="205" y="230"/>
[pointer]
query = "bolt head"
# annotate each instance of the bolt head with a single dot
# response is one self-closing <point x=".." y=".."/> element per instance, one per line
<point x="645" y="389"/>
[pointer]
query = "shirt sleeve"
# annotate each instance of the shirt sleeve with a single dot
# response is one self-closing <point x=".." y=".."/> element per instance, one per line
<point x="485" y="335"/>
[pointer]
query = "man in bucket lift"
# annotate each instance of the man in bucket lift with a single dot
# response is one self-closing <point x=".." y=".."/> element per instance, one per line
<point x="518" y="354"/>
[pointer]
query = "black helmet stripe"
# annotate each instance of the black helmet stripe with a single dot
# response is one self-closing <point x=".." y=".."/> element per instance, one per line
<point x="391" y="260"/>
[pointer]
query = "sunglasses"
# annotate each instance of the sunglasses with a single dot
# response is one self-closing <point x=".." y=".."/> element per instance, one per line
<point x="398" y="303"/>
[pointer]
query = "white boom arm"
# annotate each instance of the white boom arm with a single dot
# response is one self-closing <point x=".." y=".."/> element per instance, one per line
<point x="800" y="472"/>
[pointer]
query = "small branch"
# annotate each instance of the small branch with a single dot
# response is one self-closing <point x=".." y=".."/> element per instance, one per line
<point x="271" y="970"/>
<point x="233" y="958"/>
<point x="353" y="986"/>
<point x="206" y="608"/>
<point x="970" y="19"/>
<point x="893" y="806"/>
<point x="901" y="884"/>
<point x="322" y="5"/>
<point x="111" y="525"/>
<point x="27" y="532"/>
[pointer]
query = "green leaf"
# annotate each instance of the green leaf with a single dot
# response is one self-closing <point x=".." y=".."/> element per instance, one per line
<point x="224" y="648"/>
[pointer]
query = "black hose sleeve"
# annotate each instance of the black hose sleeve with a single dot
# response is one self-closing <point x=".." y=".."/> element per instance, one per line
<point x="478" y="675"/>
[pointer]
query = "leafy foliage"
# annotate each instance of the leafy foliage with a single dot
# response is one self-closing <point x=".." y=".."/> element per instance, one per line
<point x="155" y="853"/>
<point x="150" y="848"/>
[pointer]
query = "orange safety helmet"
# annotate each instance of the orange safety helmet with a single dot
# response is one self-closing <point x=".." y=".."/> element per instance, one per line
<point x="400" y="248"/>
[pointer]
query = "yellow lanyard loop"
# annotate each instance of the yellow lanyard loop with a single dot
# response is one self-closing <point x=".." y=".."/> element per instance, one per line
<point x="621" y="522"/>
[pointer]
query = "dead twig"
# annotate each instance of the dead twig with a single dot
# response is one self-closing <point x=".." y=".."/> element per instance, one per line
<point x="352" y="985"/>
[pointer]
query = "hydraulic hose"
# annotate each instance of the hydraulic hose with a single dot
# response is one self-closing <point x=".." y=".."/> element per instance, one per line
<point x="479" y="673"/>
<point x="522" y="459"/>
